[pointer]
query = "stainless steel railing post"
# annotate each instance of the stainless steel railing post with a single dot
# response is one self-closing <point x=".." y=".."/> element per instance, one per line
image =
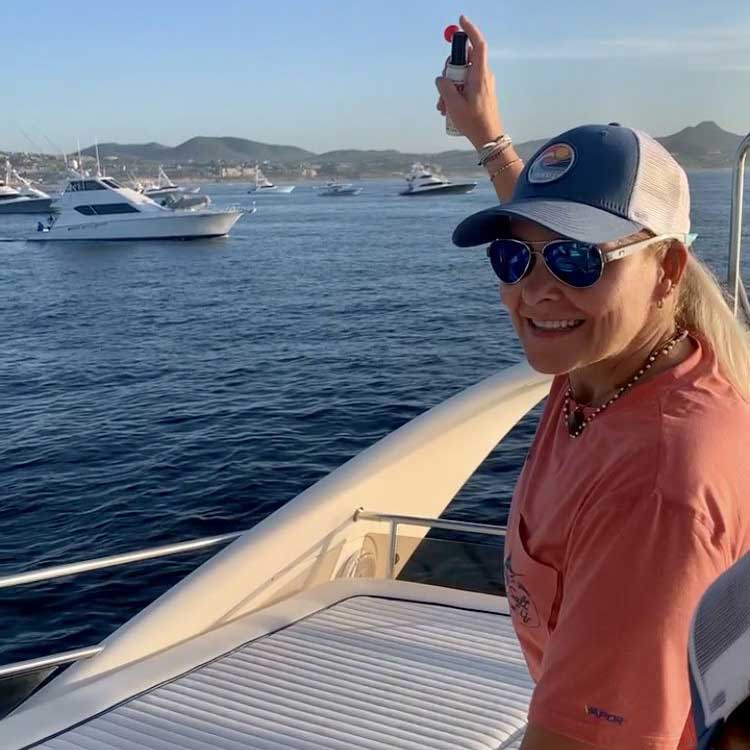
<point x="734" y="276"/>
<point x="392" y="538"/>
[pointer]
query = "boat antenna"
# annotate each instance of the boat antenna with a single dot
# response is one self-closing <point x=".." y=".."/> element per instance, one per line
<point x="14" y="172"/>
<point x="33" y="143"/>
<point x="98" y="163"/>
<point x="80" y="161"/>
<point x="55" y="147"/>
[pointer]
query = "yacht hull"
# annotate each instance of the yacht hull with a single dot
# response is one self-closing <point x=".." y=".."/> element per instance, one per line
<point x="454" y="188"/>
<point x="275" y="190"/>
<point x="183" y="226"/>
<point x="340" y="193"/>
<point x="26" y="206"/>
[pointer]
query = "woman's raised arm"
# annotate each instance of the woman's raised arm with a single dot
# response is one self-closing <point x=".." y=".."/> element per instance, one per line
<point x="475" y="113"/>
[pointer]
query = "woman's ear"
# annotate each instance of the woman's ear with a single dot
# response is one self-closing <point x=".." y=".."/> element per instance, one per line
<point x="672" y="261"/>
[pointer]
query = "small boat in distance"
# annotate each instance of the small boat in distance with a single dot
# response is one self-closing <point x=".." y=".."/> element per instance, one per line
<point x="18" y="196"/>
<point x="335" y="187"/>
<point x="264" y="185"/>
<point x="185" y="200"/>
<point x="169" y="194"/>
<point x="425" y="180"/>
<point x="99" y="208"/>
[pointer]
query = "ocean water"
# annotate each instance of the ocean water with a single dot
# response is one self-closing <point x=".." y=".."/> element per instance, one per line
<point x="152" y="392"/>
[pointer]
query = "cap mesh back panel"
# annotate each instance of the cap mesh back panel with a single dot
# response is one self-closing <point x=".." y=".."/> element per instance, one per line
<point x="661" y="194"/>
<point x="723" y="616"/>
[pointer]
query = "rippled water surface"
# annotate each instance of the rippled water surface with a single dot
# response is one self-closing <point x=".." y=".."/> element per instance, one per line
<point x="156" y="391"/>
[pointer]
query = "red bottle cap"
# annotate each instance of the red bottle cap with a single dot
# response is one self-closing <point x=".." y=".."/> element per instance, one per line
<point x="449" y="32"/>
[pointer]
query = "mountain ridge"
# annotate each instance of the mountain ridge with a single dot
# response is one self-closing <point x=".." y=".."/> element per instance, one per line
<point x="703" y="145"/>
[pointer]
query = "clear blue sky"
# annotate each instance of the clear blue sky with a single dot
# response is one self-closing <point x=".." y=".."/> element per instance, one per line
<point x="325" y="74"/>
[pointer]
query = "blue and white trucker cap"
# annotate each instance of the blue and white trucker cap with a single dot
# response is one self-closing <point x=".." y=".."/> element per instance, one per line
<point x="594" y="183"/>
<point x="719" y="651"/>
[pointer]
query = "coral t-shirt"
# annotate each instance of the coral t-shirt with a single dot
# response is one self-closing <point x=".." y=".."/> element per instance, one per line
<point x="612" y="539"/>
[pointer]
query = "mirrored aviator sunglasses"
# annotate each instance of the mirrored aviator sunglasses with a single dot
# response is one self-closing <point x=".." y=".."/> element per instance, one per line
<point x="577" y="264"/>
<point x="574" y="263"/>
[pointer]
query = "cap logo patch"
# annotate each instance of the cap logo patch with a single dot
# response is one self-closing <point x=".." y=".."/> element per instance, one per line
<point x="555" y="161"/>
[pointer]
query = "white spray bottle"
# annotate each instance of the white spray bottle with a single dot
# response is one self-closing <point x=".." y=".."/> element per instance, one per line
<point x="456" y="70"/>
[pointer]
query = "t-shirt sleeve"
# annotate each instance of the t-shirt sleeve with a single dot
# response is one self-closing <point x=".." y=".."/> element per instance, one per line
<point x="614" y="672"/>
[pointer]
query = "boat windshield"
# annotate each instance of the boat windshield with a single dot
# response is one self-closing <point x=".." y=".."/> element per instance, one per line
<point x="112" y="183"/>
<point x="78" y="185"/>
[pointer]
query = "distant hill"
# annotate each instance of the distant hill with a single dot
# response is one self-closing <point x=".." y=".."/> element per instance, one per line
<point x="140" y="151"/>
<point x="703" y="145"/>
<point x="204" y="150"/>
<point x="396" y="161"/>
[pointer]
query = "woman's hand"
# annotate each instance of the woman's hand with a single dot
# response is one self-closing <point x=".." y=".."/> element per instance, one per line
<point x="474" y="111"/>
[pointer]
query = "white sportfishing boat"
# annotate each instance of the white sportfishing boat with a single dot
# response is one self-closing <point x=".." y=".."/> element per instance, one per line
<point x="19" y="196"/>
<point x="322" y="626"/>
<point x="169" y="194"/>
<point x="334" y="188"/>
<point x="183" y="200"/>
<point x="423" y="180"/>
<point x="99" y="208"/>
<point x="164" y="187"/>
<point x="264" y="185"/>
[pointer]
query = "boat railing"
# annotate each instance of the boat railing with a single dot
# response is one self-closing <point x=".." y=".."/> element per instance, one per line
<point x="66" y="570"/>
<point x="228" y="209"/>
<point x="111" y="561"/>
<point x="18" y="668"/>
<point x="85" y="566"/>
<point x="395" y="521"/>
<point x="735" y="284"/>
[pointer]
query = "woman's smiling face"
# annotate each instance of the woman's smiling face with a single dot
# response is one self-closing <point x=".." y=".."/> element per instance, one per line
<point x="563" y="329"/>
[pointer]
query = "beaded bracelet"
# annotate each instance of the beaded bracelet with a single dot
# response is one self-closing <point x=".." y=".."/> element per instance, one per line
<point x="490" y="145"/>
<point x="504" y="167"/>
<point x="495" y="155"/>
<point x="491" y="150"/>
<point x="488" y="150"/>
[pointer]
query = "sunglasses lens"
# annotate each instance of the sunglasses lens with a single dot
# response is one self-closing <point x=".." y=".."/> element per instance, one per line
<point x="509" y="259"/>
<point x="577" y="264"/>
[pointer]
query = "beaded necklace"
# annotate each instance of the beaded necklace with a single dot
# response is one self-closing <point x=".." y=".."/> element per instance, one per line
<point x="575" y="419"/>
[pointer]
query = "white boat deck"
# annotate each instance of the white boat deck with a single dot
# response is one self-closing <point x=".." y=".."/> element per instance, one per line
<point x="365" y="664"/>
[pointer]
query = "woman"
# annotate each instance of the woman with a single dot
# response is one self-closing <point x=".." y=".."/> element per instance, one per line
<point x="635" y="494"/>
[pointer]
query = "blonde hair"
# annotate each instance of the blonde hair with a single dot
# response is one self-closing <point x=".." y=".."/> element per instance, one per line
<point x="702" y="308"/>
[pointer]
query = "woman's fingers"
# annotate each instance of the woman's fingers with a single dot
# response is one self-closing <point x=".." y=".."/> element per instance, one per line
<point x="448" y="93"/>
<point x="473" y="110"/>
<point x="478" y="51"/>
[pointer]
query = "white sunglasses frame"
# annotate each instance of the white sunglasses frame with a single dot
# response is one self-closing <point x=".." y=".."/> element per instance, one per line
<point x="607" y="256"/>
